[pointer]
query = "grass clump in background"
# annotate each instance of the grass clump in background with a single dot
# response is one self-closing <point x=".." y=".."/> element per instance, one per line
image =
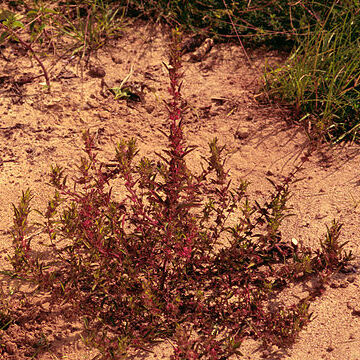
<point x="181" y="256"/>
<point x="321" y="78"/>
<point x="64" y="27"/>
<point x="275" y="23"/>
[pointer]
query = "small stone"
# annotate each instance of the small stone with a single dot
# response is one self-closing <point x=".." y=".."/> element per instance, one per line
<point x="354" y="305"/>
<point x="202" y="50"/>
<point x="242" y="133"/>
<point x="91" y="104"/>
<point x="149" y="108"/>
<point x="117" y="59"/>
<point x="335" y="284"/>
<point x="11" y="348"/>
<point x="104" y="115"/>
<point x="97" y="72"/>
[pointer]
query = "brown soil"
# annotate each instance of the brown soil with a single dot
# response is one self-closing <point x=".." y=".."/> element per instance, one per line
<point x="38" y="129"/>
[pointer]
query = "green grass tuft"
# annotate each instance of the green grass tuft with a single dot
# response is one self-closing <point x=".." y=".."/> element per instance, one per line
<point x="321" y="78"/>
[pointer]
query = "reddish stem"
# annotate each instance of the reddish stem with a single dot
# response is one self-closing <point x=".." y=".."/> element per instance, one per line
<point x="29" y="48"/>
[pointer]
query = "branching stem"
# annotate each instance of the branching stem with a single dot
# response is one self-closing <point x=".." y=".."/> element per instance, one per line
<point x="29" y="48"/>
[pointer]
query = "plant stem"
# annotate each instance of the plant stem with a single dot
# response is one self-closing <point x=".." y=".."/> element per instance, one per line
<point x="28" y="47"/>
<point x="237" y="35"/>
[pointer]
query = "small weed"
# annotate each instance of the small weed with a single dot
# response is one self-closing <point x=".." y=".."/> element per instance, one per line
<point x="5" y="313"/>
<point x="122" y="91"/>
<point x="332" y="254"/>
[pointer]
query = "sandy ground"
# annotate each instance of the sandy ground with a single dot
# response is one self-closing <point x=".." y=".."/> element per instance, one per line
<point x="38" y="129"/>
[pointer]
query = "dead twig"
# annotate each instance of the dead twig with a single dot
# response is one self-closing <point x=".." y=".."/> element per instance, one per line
<point x="237" y="35"/>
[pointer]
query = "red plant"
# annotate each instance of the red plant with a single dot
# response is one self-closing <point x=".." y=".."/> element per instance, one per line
<point x="164" y="262"/>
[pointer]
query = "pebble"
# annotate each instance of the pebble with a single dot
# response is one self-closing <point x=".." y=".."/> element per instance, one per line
<point x="11" y="347"/>
<point x="354" y="305"/>
<point x="117" y="59"/>
<point x="242" y="133"/>
<point x="91" y="104"/>
<point x="339" y="284"/>
<point x="97" y="72"/>
<point x="149" y="108"/>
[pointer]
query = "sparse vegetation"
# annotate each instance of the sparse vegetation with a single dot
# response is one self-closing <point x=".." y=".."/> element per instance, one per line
<point x="182" y="255"/>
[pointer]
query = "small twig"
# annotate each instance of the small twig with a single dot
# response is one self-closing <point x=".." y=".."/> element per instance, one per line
<point x="82" y="57"/>
<point x="85" y="33"/>
<point x="28" y="47"/>
<point x="237" y="35"/>
<point x="29" y="237"/>
<point x="7" y="161"/>
<point x="313" y="14"/>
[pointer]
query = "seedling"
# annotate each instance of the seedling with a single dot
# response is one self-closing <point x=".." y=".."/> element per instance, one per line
<point x="123" y="92"/>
